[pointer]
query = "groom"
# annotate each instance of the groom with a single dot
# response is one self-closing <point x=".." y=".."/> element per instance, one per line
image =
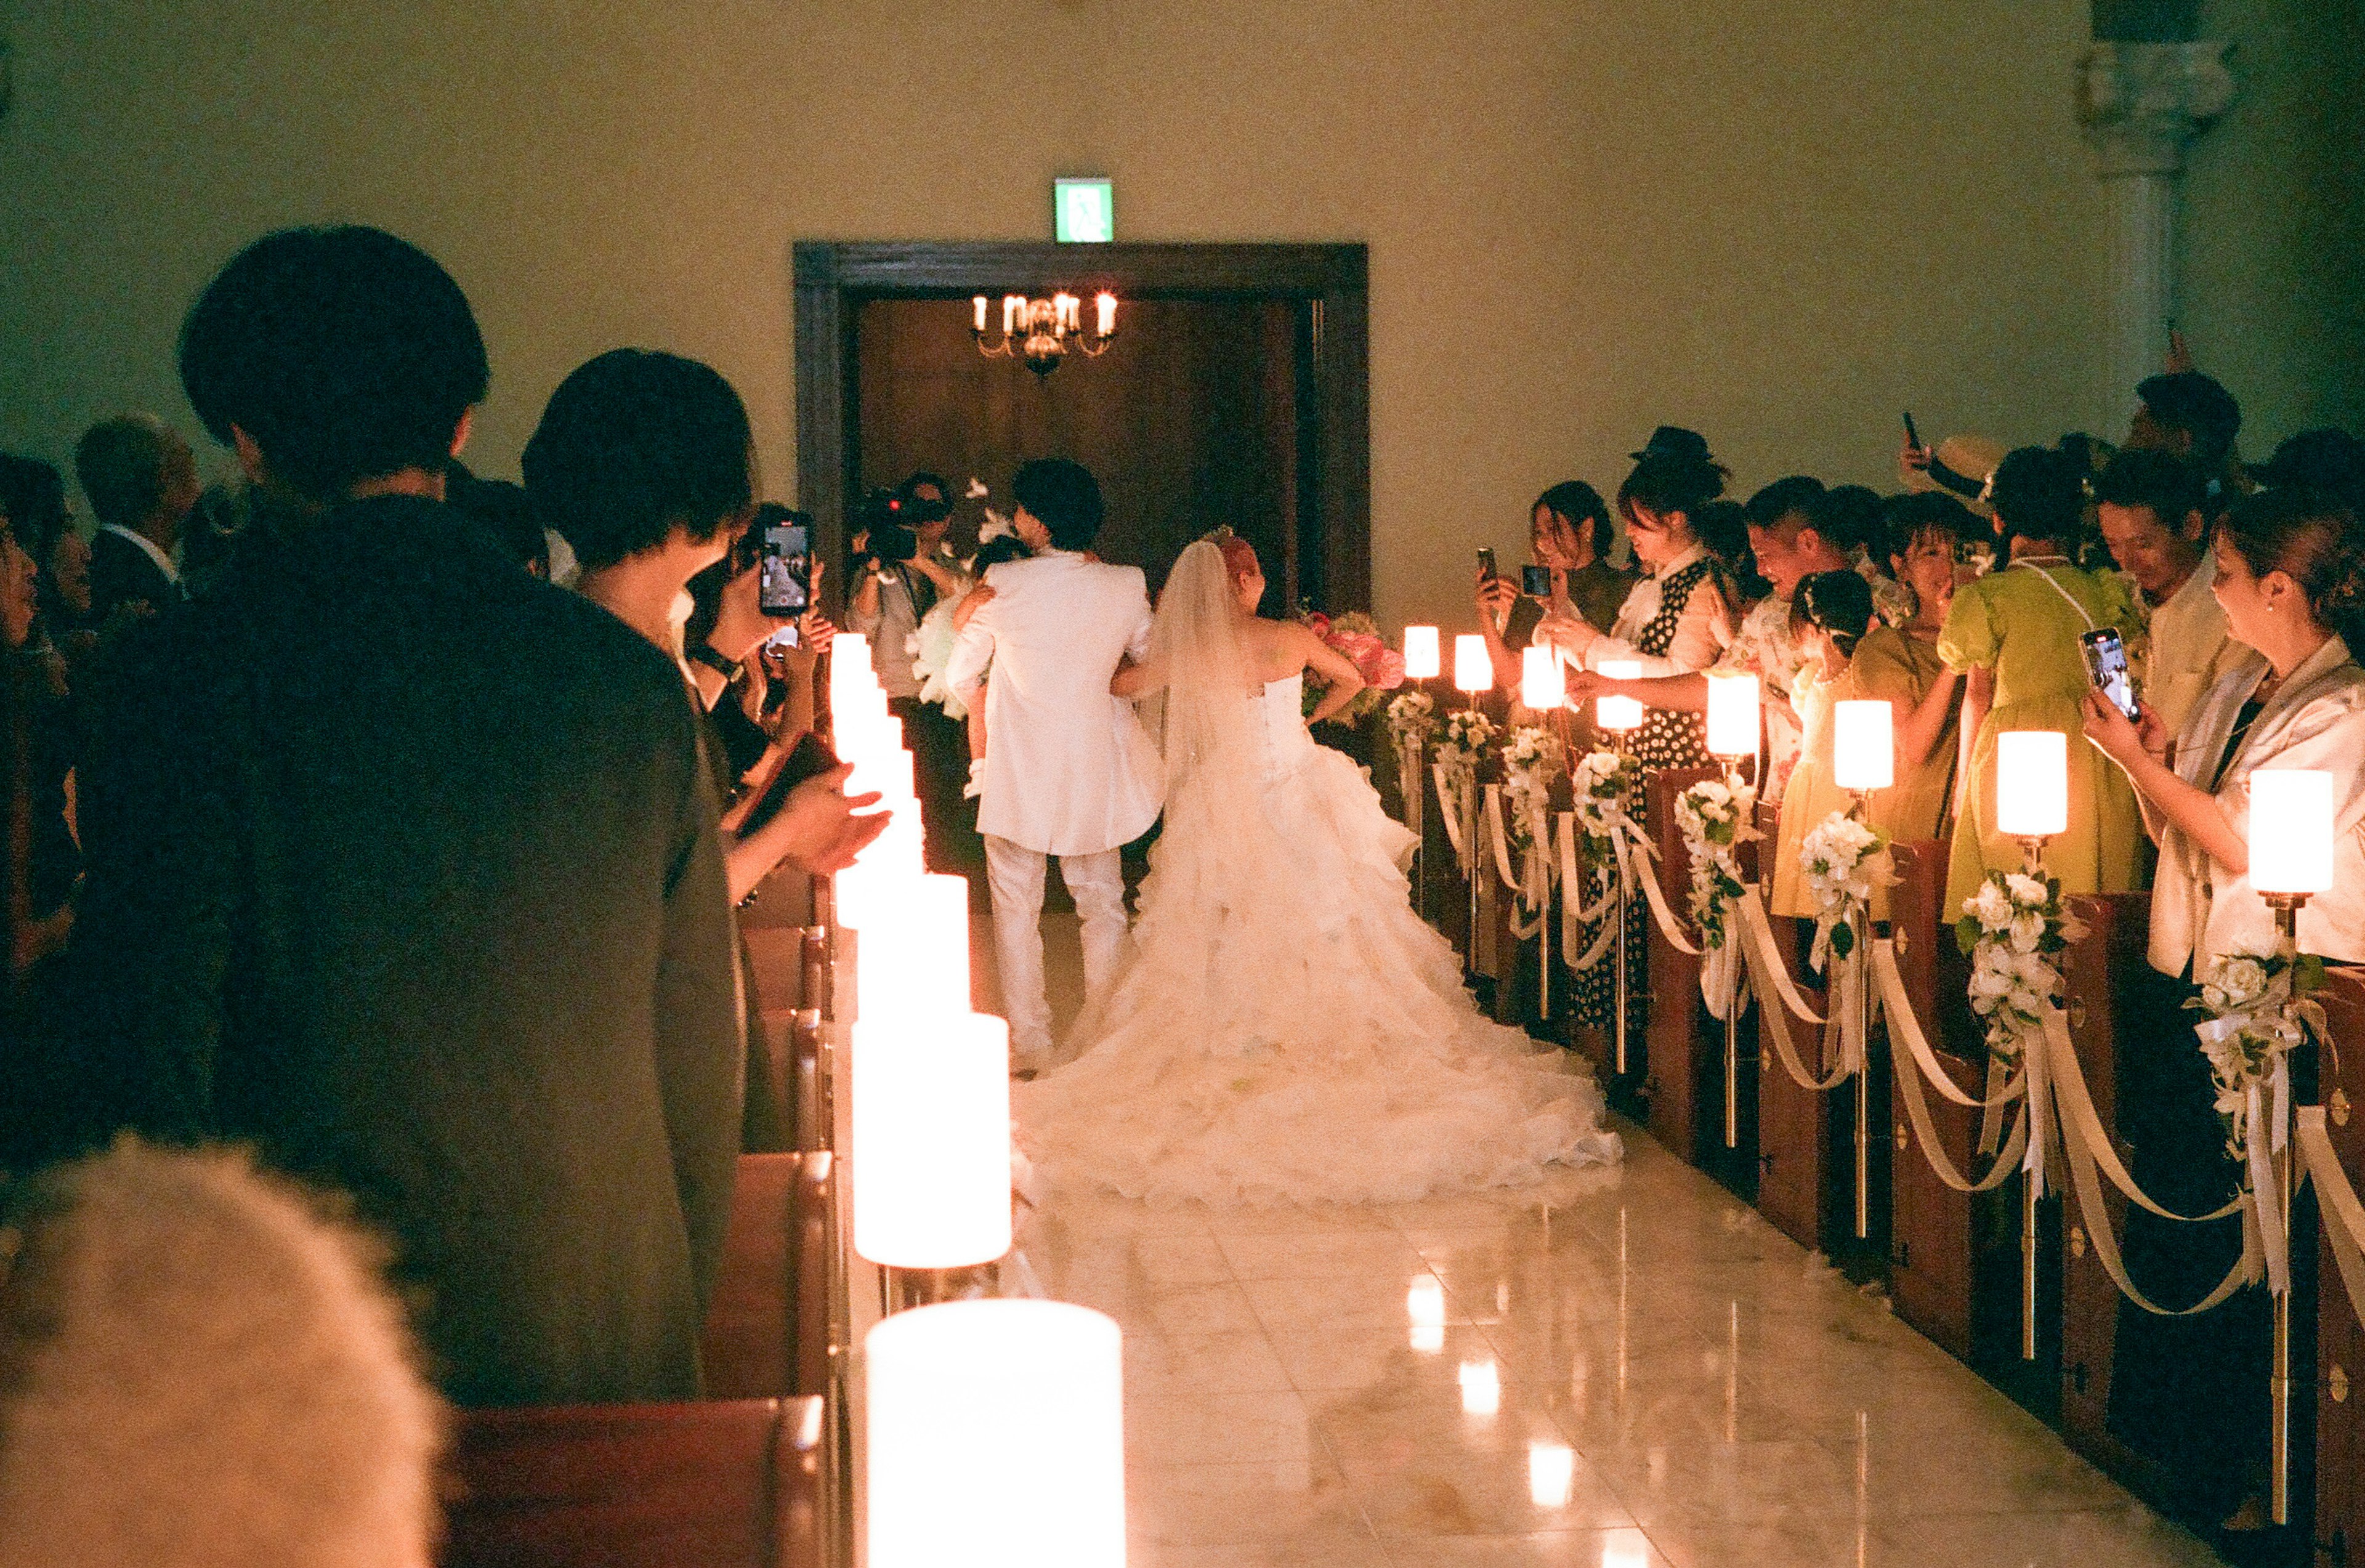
<point x="1069" y="770"/>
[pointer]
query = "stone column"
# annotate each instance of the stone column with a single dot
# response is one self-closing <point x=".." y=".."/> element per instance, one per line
<point x="2142" y="104"/>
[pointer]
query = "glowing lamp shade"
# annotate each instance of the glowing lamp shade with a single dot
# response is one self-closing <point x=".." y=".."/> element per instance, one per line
<point x="996" y="1437"/>
<point x="2290" y="831"/>
<point x="1540" y="686"/>
<point x="1421" y="662"/>
<point x="1618" y="713"/>
<point x="1473" y="670"/>
<point x="911" y="958"/>
<point x="930" y="1154"/>
<point x="1732" y="715"/>
<point x="1863" y="753"/>
<point x="2032" y="783"/>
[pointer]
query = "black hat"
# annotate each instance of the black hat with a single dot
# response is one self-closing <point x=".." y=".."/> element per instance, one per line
<point x="1674" y="440"/>
<point x="2321" y="459"/>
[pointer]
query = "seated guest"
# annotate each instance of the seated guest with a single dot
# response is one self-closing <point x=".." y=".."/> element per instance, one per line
<point x="642" y="460"/>
<point x="1846" y="655"/>
<point x="2291" y="575"/>
<point x="403" y="866"/>
<point x="2150" y="513"/>
<point x="1569" y="533"/>
<point x="2015" y="633"/>
<point x="142" y="484"/>
<point x="2190" y="416"/>
<point x="205" y="1371"/>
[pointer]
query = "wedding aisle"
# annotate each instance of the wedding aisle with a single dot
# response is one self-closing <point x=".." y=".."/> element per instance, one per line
<point x="1641" y="1374"/>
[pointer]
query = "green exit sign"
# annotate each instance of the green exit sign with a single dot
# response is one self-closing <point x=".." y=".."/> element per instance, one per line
<point x="1083" y="212"/>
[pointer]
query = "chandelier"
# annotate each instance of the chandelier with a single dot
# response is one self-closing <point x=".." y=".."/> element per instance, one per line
<point x="1040" y="331"/>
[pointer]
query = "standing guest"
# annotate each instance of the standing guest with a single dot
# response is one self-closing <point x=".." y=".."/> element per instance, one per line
<point x="1568" y="535"/>
<point x="2330" y="460"/>
<point x="142" y="481"/>
<point x="1850" y="519"/>
<point x="2014" y="634"/>
<point x="2190" y="416"/>
<point x="502" y="506"/>
<point x="1675" y="622"/>
<point x="32" y="496"/>
<point x="1846" y="655"/>
<point x="2150" y="505"/>
<point x="403" y="866"/>
<point x="900" y="571"/>
<point x="2191" y="1391"/>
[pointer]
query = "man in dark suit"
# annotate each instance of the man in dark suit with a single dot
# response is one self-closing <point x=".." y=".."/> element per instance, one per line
<point x="403" y="864"/>
<point x="142" y="484"/>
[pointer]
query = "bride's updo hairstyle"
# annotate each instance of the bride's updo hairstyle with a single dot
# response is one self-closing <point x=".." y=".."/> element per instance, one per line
<point x="1239" y="556"/>
<point x="2313" y="538"/>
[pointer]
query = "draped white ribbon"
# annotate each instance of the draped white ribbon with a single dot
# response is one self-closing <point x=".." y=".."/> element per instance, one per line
<point x="1408" y="774"/>
<point x="1455" y="791"/>
<point x="2344" y="1216"/>
<point x="1533" y="880"/>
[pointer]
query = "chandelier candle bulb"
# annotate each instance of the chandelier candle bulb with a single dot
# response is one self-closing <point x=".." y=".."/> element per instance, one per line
<point x="1420" y="654"/>
<point x="2032" y="783"/>
<point x="930" y="1152"/>
<point x="1014" y="314"/>
<point x="1104" y="313"/>
<point x="978" y="306"/>
<point x="996" y="1437"/>
<point x="1863" y="750"/>
<point x="1732" y="715"/>
<point x="1472" y="671"/>
<point x="2290" y="831"/>
<point x="1540" y="686"/>
<point x="1619" y="715"/>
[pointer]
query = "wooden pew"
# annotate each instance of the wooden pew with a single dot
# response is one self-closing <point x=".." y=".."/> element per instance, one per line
<point x="723" y="1483"/>
<point x="1942" y="1280"/>
<point x="2118" y="927"/>
<point x="2340" y="1340"/>
<point x="768" y="1328"/>
<point x="1799" y="1165"/>
<point x="1685" y="1090"/>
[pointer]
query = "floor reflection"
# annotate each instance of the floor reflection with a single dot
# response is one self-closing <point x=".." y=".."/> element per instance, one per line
<point x="1631" y="1371"/>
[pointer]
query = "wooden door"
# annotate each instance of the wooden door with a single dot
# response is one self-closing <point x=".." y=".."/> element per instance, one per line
<point x="2340" y="1340"/>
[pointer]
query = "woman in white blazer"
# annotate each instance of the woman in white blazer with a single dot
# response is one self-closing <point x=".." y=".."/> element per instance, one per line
<point x="2291" y="574"/>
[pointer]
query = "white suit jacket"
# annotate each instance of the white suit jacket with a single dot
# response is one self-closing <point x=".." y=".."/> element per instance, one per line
<point x="2201" y="910"/>
<point x="1069" y="769"/>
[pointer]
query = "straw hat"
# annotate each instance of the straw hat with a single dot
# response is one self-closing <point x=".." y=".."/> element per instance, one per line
<point x="1963" y="465"/>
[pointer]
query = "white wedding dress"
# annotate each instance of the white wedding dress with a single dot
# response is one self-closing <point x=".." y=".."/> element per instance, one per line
<point x="1283" y="1027"/>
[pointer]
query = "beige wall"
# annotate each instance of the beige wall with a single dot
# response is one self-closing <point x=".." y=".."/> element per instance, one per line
<point x="1778" y="220"/>
<point x="2273" y="291"/>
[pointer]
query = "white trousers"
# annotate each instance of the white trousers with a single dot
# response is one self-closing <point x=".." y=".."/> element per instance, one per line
<point x="1015" y="877"/>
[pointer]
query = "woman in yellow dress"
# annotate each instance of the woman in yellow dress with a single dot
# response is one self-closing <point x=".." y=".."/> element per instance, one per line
<point x="1844" y="662"/>
<point x="2015" y="633"/>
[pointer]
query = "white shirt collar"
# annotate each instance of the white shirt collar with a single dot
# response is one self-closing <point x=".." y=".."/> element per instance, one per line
<point x="163" y="562"/>
<point x="1680" y="562"/>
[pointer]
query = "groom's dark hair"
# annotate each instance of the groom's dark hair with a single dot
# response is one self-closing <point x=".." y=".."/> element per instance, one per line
<point x="1064" y="497"/>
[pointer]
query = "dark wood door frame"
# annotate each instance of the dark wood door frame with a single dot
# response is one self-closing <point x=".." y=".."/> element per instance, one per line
<point x="833" y="279"/>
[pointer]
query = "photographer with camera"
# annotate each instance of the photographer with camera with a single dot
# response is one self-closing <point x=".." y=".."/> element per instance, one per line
<point x="898" y="572"/>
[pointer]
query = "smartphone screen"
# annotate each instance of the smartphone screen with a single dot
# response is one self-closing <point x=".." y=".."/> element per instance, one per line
<point x="1536" y="581"/>
<point x="786" y="637"/>
<point x="786" y="587"/>
<point x="2106" y="666"/>
<point x="1486" y="562"/>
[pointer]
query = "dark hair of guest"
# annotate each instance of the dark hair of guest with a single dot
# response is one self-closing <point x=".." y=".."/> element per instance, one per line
<point x="1581" y="507"/>
<point x="505" y="508"/>
<point x="1799" y="493"/>
<point x="1064" y="497"/>
<point x="33" y="498"/>
<point x="2039" y="493"/>
<point x="124" y="467"/>
<point x="1848" y="518"/>
<point x="1917" y="514"/>
<point x="2158" y="482"/>
<point x="1669" y="482"/>
<point x="633" y="444"/>
<point x="1838" y="602"/>
<point x="2312" y="537"/>
<point x="345" y="354"/>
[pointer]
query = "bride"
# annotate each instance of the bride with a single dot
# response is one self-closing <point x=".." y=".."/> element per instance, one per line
<point x="1283" y="1027"/>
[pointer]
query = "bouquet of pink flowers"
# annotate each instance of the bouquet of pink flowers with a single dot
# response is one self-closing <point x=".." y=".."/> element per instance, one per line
<point x="1357" y="636"/>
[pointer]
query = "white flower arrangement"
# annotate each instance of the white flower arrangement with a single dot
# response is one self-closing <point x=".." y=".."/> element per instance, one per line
<point x="1840" y="856"/>
<point x="1601" y="783"/>
<point x="1530" y="757"/>
<point x="2255" y="1003"/>
<point x="1714" y="818"/>
<point x="1468" y="735"/>
<point x="2013" y="927"/>
<point x="1412" y="720"/>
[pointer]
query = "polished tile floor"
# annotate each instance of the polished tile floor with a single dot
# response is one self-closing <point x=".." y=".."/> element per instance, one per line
<point x="1638" y="1373"/>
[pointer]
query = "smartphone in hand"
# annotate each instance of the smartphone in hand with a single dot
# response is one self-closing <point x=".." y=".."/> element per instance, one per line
<point x="1912" y="436"/>
<point x="1486" y="562"/>
<point x="1536" y="581"/>
<point x="2106" y="669"/>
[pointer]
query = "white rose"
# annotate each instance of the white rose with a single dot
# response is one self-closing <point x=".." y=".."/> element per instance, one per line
<point x="1989" y="906"/>
<point x="2025" y="889"/>
<point x="2244" y="979"/>
<point x="2026" y="930"/>
<point x="1991" y="982"/>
